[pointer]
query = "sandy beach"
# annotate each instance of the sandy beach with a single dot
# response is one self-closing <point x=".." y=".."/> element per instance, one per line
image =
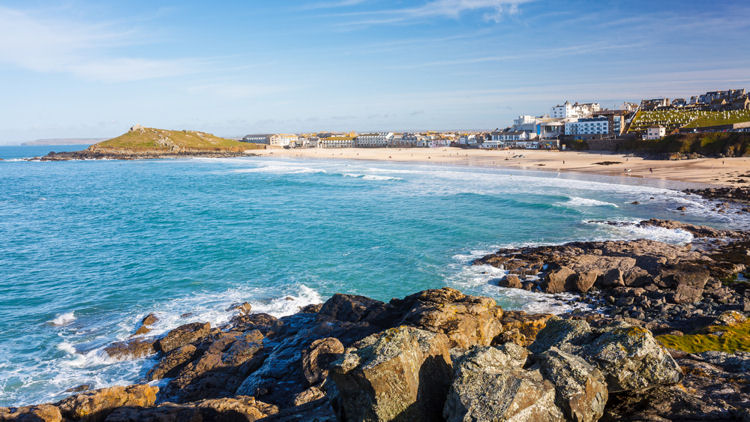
<point x="709" y="171"/>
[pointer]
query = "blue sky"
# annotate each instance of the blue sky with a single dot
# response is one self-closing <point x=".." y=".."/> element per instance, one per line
<point x="93" y="68"/>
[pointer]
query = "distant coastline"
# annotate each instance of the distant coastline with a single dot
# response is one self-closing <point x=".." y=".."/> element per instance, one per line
<point x="63" y="141"/>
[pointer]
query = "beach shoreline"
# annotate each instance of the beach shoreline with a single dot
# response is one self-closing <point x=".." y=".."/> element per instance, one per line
<point x="724" y="172"/>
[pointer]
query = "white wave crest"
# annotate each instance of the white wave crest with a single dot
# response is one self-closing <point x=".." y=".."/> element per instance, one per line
<point x="577" y="201"/>
<point x="630" y="230"/>
<point x="63" y="319"/>
<point x="280" y="170"/>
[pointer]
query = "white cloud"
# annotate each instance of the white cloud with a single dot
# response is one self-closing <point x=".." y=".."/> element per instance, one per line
<point x="495" y="10"/>
<point x="86" y="50"/>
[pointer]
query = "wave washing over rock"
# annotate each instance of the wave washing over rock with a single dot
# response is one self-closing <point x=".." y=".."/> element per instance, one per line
<point x="443" y="355"/>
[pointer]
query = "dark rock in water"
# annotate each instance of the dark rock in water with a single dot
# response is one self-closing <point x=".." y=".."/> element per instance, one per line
<point x="317" y="358"/>
<point x="79" y="388"/>
<point x="135" y="348"/>
<point x="581" y="390"/>
<point x="149" y="319"/>
<point x="240" y="409"/>
<point x="489" y="384"/>
<point x="401" y="373"/>
<point x="510" y="280"/>
<point x="95" y="405"/>
<point x="182" y="335"/>
<point x="681" y="208"/>
<point x="243" y="308"/>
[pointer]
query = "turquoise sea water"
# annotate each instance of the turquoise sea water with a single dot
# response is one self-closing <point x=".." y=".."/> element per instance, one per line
<point x="90" y="247"/>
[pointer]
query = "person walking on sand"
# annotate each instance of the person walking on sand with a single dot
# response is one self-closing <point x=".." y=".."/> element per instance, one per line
<point x="650" y="170"/>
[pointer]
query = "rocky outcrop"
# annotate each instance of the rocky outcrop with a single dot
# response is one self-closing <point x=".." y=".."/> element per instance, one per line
<point x="96" y="405"/>
<point x="399" y="374"/>
<point x="36" y="413"/>
<point x="629" y="357"/>
<point x="135" y="348"/>
<point x="240" y="409"/>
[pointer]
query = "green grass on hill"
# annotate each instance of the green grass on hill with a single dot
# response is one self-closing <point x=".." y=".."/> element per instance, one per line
<point x="721" y="118"/>
<point x="149" y="139"/>
<point x="675" y="119"/>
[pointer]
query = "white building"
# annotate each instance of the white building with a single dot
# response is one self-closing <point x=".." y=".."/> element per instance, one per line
<point x="283" y="139"/>
<point x="654" y="133"/>
<point x="374" y="140"/>
<point x="467" y="139"/>
<point x="574" y="111"/>
<point x="588" y="126"/>
<point x="336" y="142"/>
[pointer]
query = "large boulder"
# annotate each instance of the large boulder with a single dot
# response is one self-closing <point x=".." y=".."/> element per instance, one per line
<point x="490" y="385"/>
<point x="688" y="281"/>
<point x="631" y="359"/>
<point x="466" y="320"/>
<point x="558" y="281"/>
<point x="581" y="390"/>
<point x="183" y="335"/>
<point x="95" y="405"/>
<point x="398" y="374"/>
<point x="36" y="413"/>
<point x="173" y="361"/>
<point x="521" y="328"/>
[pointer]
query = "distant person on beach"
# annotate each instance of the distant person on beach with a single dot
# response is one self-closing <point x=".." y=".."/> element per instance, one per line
<point x="650" y="170"/>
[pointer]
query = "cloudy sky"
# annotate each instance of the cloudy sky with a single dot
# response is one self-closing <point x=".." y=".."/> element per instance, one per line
<point x="93" y="68"/>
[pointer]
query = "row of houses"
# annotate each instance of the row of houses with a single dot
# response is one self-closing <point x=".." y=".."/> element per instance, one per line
<point x="730" y="99"/>
<point x="353" y="140"/>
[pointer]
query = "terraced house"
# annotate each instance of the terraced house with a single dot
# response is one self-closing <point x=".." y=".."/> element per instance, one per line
<point x="374" y="140"/>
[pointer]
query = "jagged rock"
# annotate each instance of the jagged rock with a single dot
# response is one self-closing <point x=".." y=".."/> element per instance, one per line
<point x="466" y="320"/>
<point x="317" y="358"/>
<point x="173" y="360"/>
<point x="401" y="373"/>
<point x="146" y="322"/>
<point x="135" y="348"/>
<point x="489" y="385"/>
<point x="729" y="319"/>
<point x="183" y="335"/>
<point x="557" y="281"/>
<point x="581" y="390"/>
<point x="239" y="409"/>
<point x="511" y="281"/>
<point x="95" y="405"/>
<point x="631" y="359"/>
<point x="36" y="413"/>
<point x="612" y="278"/>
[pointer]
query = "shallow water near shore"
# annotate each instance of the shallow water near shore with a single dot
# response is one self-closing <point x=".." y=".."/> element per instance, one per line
<point x="90" y="247"/>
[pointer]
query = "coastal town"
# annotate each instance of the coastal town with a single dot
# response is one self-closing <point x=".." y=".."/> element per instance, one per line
<point x="565" y="126"/>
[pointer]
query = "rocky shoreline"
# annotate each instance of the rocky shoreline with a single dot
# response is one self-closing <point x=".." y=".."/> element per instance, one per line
<point x="443" y="355"/>
<point x="88" y="154"/>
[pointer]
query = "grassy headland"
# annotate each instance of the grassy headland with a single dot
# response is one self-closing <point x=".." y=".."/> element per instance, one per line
<point x="150" y="140"/>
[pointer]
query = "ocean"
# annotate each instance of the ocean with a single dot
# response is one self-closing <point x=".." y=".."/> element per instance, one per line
<point x="91" y="247"/>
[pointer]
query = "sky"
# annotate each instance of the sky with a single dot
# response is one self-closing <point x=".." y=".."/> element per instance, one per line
<point x="86" y="69"/>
